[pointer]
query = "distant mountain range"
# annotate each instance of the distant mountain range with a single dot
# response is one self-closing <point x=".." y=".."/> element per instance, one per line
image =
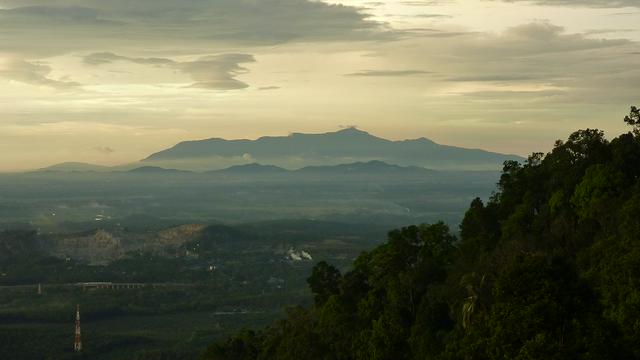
<point x="352" y="150"/>
<point x="76" y="167"/>
<point x="253" y="168"/>
<point x="156" y="170"/>
<point x="342" y="147"/>
<point x="370" y="167"/>
<point x="374" y="167"/>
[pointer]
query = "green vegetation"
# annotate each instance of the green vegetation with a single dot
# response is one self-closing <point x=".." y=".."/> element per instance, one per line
<point x="548" y="268"/>
<point x="54" y="202"/>
<point x="187" y="303"/>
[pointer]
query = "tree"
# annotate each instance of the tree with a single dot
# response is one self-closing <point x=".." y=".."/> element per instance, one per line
<point x="547" y="269"/>
<point x="244" y="346"/>
<point x="596" y="192"/>
<point x="541" y="310"/>
<point x="324" y="282"/>
<point x="633" y="119"/>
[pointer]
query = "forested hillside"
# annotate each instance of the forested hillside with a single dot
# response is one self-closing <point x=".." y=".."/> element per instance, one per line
<point x="548" y="268"/>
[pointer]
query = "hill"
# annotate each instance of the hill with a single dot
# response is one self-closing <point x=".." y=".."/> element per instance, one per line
<point x="250" y="169"/>
<point x="156" y="170"/>
<point x="75" y="167"/>
<point x="346" y="146"/>
<point x="546" y="269"/>
<point x="373" y="167"/>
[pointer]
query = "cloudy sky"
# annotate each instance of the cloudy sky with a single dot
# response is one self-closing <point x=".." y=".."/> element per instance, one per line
<point x="111" y="81"/>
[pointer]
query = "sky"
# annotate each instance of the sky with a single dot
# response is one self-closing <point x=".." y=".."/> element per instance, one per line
<point x="111" y="81"/>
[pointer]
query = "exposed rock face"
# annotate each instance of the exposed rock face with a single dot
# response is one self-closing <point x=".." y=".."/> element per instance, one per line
<point x="172" y="238"/>
<point x="96" y="247"/>
<point x="101" y="246"/>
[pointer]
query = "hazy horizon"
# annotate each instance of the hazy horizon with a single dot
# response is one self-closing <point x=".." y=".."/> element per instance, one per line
<point x="319" y="179"/>
<point x="248" y="158"/>
<point x="110" y="82"/>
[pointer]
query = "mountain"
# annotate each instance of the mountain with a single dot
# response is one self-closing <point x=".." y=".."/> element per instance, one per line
<point x="156" y="170"/>
<point x="250" y="169"/>
<point x="76" y="167"/>
<point x="548" y="265"/>
<point x="345" y="146"/>
<point x="374" y="167"/>
<point x="370" y="168"/>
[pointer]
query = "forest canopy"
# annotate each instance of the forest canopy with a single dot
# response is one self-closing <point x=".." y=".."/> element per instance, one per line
<point x="547" y="268"/>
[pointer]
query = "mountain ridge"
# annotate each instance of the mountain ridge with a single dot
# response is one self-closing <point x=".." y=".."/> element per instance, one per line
<point x="350" y="145"/>
<point x="75" y="166"/>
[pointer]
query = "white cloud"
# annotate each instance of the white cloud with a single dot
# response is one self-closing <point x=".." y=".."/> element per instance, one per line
<point x="215" y="72"/>
<point x="34" y="73"/>
<point x="587" y="3"/>
<point x="388" y="73"/>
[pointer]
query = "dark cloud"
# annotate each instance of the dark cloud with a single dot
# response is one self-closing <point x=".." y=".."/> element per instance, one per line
<point x="76" y="14"/>
<point x="421" y="16"/>
<point x="266" y="88"/>
<point x="427" y="2"/>
<point x="583" y="3"/>
<point x="491" y="78"/>
<point x="34" y="73"/>
<point x="57" y="26"/>
<point x="510" y="95"/>
<point x="104" y="150"/>
<point x="388" y="73"/>
<point x="430" y="33"/>
<point x="433" y="16"/>
<point x="607" y="31"/>
<point x="217" y="72"/>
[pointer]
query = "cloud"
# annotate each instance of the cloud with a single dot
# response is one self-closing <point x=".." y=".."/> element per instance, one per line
<point x="60" y="26"/>
<point x="216" y="72"/>
<point x="34" y="73"/>
<point x="388" y="73"/>
<point x="430" y="33"/>
<point x="539" y="56"/>
<point x="491" y="78"/>
<point x="107" y="58"/>
<point x="59" y="14"/>
<point x="607" y="31"/>
<point x="537" y="62"/>
<point x="104" y="150"/>
<point x="433" y="16"/>
<point x="266" y="88"/>
<point x="531" y="39"/>
<point x="427" y="2"/>
<point x="583" y="3"/>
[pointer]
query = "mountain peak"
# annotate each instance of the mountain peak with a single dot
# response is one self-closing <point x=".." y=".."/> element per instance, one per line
<point x="155" y="169"/>
<point x="74" y="167"/>
<point x="345" y="132"/>
<point x="251" y="168"/>
<point x="346" y="145"/>
<point x="352" y="130"/>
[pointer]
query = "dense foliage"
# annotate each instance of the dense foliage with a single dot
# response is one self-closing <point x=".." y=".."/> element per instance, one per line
<point x="548" y="268"/>
<point x="193" y="304"/>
